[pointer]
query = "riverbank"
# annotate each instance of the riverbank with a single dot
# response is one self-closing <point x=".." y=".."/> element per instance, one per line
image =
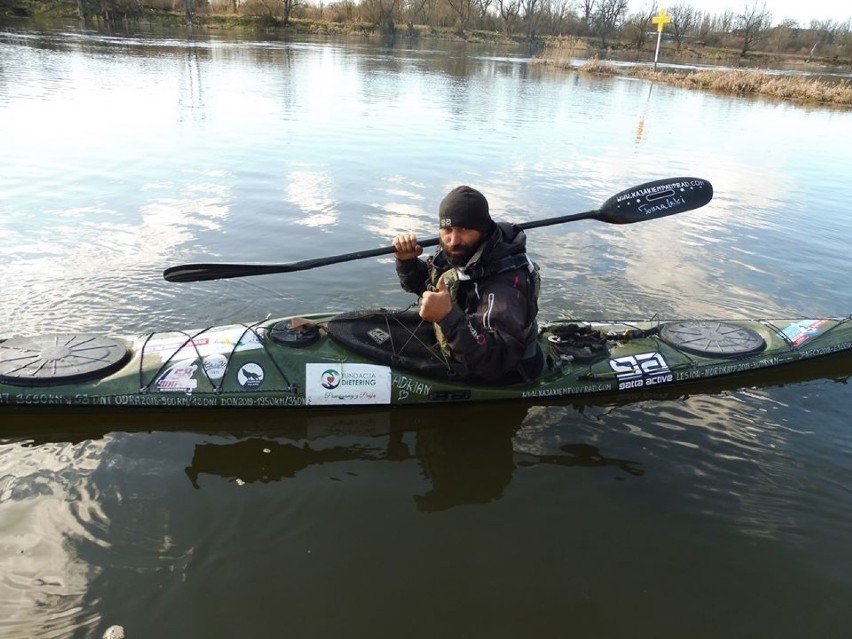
<point x="797" y="88"/>
<point x="793" y="78"/>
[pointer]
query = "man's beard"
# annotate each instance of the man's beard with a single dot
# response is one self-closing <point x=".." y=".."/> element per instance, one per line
<point x="460" y="258"/>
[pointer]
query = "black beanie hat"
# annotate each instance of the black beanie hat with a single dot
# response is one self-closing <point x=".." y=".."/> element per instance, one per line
<point x="465" y="207"/>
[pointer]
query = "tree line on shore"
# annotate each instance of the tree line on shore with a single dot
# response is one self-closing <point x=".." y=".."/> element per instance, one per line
<point x="609" y="22"/>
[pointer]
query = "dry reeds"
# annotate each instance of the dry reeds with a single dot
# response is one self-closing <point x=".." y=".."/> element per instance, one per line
<point x="783" y="86"/>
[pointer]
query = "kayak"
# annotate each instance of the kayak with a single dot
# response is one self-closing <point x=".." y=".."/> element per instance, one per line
<point x="385" y="357"/>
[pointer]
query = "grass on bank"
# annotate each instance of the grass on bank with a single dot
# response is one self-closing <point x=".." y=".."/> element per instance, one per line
<point x="737" y="82"/>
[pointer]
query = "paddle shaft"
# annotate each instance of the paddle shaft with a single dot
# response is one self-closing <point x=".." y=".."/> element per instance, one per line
<point x="214" y="271"/>
<point x="648" y="201"/>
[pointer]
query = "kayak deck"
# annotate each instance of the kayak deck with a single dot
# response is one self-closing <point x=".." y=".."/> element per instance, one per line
<point x="382" y="357"/>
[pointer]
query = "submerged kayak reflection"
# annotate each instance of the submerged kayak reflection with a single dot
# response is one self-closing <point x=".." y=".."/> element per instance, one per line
<point x="465" y="463"/>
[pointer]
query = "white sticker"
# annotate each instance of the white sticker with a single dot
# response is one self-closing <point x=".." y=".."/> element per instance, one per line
<point x="250" y="375"/>
<point x="639" y="371"/>
<point x="178" y="378"/>
<point x="347" y="384"/>
<point x="215" y="365"/>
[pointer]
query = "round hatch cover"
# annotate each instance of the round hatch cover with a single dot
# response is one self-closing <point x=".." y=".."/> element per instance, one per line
<point x="59" y="359"/>
<point x="712" y="339"/>
<point x="286" y="334"/>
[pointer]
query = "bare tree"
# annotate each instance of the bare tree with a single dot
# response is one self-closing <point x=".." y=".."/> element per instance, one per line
<point x="684" y="21"/>
<point x="752" y="24"/>
<point x="637" y="26"/>
<point x="587" y="9"/>
<point x="559" y="12"/>
<point x="412" y="11"/>
<point x="341" y="11"/>
<point x="609" y="15"/>
<point x="785" y="37"/>
<point x="381" y="13"/>
<point x="463" y="10"/>
<point x="273" y="11"/>
<point x="531" y="13"/>
<point x="726" y="21"/>
<point x="483" y="6"/>
<point x="844" y="38"/>
<point x="509" y="10"/>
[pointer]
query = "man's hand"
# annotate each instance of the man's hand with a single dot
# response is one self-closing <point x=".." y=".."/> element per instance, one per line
<point x="434" y="305"/>
<point x="406" y="247"/>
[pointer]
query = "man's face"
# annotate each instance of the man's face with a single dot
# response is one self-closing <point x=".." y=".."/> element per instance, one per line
<point x="459" y="244"/>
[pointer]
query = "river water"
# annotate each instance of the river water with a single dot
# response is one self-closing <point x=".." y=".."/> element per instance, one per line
<point x="723" y="512"/>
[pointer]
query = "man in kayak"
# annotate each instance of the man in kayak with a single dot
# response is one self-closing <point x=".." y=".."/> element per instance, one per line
<point x="480" y="290"/>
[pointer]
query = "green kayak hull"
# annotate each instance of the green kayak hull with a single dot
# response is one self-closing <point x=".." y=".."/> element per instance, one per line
<point x="368" y="359"/>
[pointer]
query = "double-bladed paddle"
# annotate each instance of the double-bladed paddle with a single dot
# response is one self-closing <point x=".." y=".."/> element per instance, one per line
<point x="648" y="201"/>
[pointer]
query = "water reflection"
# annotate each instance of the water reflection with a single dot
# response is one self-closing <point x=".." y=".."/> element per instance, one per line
<point x="97" y="506"/>
<point x="467" y="456"/>
<point x="311" y="192"/>
<point x="191" y="103"/>
<point x="48" y="504"/>
<point x="640" y="127"/>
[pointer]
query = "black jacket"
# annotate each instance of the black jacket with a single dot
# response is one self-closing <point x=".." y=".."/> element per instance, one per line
<point x="491" y="328"/>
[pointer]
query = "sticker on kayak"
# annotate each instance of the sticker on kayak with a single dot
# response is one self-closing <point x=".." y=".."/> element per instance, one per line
<point x="250" y="376"/>
<point x="215" y="366"/>
<point x="638" y="371"/>
<point x="802" y="331"/>
<point x="222" y="340"/>
<point x="178" y="378"/>
<point x="327" y="384"/>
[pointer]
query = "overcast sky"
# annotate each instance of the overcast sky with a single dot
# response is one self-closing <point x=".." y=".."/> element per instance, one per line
<point x="803" y="11"/>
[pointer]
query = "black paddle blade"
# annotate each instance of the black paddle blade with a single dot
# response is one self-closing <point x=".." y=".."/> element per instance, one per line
<point x="205" y="272"/>
<point x="656" y="199"/>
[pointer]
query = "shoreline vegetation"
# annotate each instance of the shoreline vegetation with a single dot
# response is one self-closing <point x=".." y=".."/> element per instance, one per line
<point x="800" y="78"/>
<point x="741" y="82"/>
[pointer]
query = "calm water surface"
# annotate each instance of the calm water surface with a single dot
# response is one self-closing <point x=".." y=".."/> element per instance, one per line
<point x="725" y="512"/>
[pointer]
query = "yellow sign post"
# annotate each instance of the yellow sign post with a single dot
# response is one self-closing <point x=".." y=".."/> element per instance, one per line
<point x="661" y="19"/>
